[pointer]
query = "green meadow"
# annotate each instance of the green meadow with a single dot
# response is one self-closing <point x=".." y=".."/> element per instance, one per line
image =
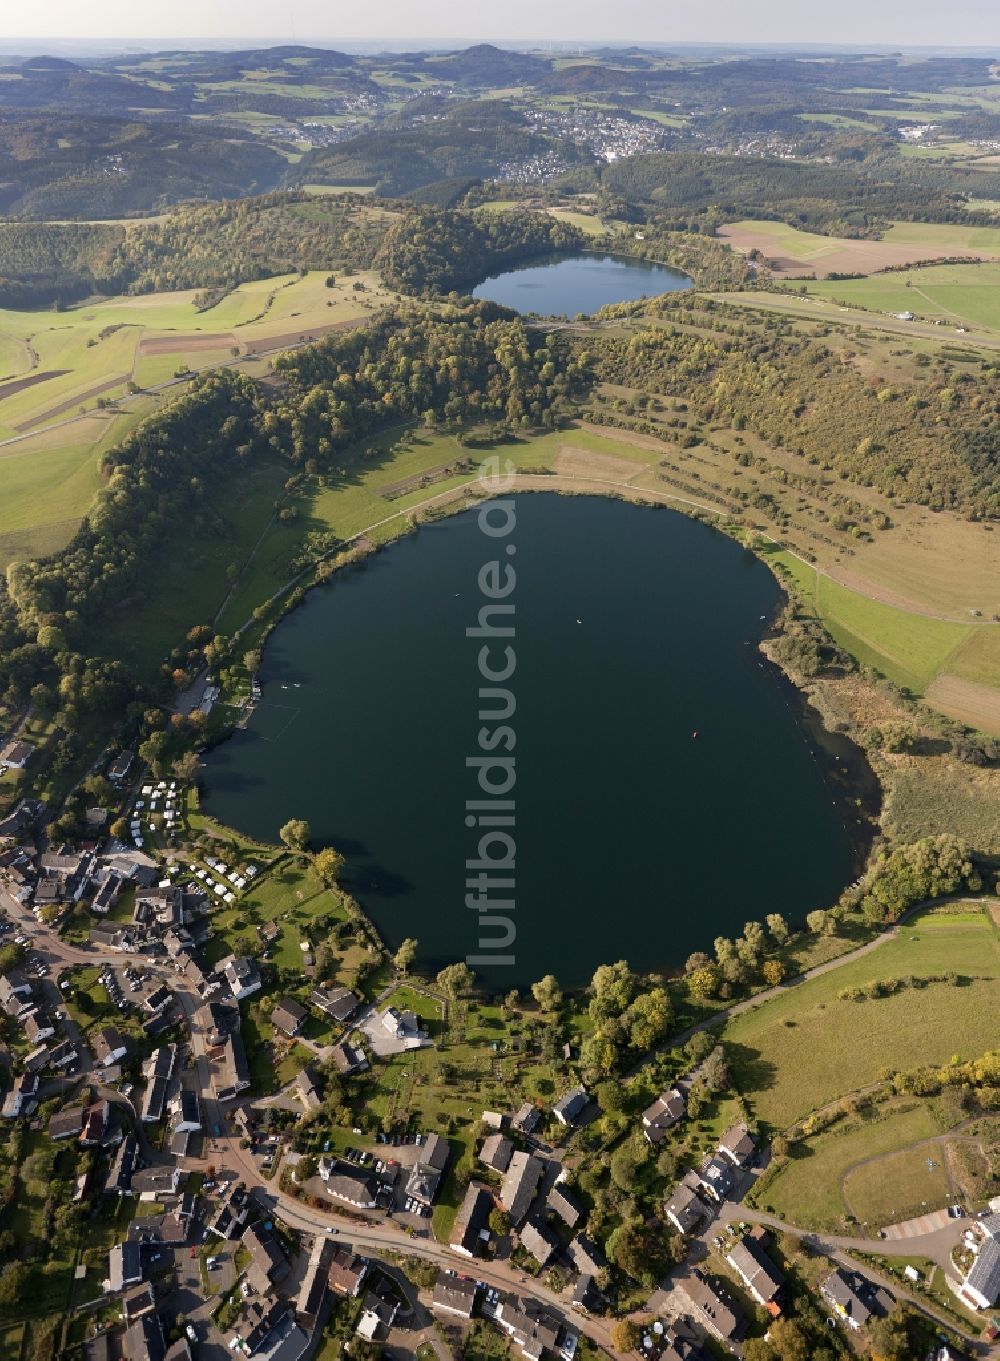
<point x="961" y="295"/>
<point x="910" y="649"/>
<point x="806" y="1048"/>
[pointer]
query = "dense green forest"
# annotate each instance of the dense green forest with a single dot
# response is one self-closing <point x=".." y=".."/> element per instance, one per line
<point x="432" y="250"/>
<point x="211" y="245"/>
<point x="85" y="167"/>
<point x="854" y="196"/>
<point x="933" y="441"/>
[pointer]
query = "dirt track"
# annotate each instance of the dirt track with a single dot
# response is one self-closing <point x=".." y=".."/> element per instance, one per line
<point x="19" y="384"/>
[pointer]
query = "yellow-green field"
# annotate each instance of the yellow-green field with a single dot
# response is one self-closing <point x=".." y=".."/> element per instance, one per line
<point x="52" y="432"/>
<point x="793" y="253"/>
<point x="957" y="295"/>
<point x="808" y="1048"/>
<point x="911" y="649"/>
<point x="94" y="350"/>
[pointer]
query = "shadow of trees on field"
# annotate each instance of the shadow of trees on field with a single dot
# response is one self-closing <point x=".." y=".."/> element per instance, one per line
<point x="753" y="1072"/>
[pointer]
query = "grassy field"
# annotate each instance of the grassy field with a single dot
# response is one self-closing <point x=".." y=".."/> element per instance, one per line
<point x="796" y="253"/>
<point x="50" y="470"/>
<point x="807" y="1190"/>
<point x="806" y="1048"/>
<point x="899" y="1185"/>
<point x="911" y="649"/>
<point x="960" y="295"/>
<point x="935" y="237"/>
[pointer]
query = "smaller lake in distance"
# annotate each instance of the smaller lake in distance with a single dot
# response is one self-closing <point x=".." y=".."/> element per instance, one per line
<point x="566" y="285"/>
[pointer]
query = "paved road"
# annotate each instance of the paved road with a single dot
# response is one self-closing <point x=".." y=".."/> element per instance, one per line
<point x="936" y="1247"/>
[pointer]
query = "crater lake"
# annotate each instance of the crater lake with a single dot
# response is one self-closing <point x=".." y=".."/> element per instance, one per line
<point x="635" y="629"/>
<point x="566" y="285"/>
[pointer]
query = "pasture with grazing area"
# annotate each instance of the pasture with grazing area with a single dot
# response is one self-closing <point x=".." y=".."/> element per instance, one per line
<point x="799" y="254"/>
<point x="807" y="1189"/>
<point x="806" y="1048"/>
<point x="959" y="295"/>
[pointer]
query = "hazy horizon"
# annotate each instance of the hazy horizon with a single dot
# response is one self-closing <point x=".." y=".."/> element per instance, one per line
<point x="968" y="24"/>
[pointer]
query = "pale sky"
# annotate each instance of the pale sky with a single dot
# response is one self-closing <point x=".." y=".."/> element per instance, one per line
<point x="965" y="23"/>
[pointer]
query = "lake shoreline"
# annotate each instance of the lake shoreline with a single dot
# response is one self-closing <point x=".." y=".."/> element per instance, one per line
<point x="846" y="774"/>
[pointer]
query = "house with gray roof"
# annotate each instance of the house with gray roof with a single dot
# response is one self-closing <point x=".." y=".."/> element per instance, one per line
<point x="520" y="1184"/>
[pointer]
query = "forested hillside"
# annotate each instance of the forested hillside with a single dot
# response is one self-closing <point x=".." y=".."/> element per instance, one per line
<point x="77" y="166"/>
<point x="212" y="245"/>
<point x="435" y="251"/>
<point x="932" y="441"/>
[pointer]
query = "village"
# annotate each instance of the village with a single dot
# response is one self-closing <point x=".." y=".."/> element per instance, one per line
<point x="242" y="1229"/>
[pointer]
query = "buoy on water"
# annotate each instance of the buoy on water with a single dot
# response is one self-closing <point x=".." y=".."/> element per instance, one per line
<point x="696" y="733"/>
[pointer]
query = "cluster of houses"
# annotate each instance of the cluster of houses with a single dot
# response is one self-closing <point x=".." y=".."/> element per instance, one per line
<point x="48" y="1048"/>
<point x="703" y="1189"/>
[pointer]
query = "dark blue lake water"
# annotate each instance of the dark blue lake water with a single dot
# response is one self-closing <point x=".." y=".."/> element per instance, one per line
<point x="635" y="629"/>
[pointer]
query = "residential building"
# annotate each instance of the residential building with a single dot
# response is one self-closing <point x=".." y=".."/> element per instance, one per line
<point x="520" y="1183"/>
<point x="527" y="1119"/>
<point x="712" y="1306"/>
<point x="496" y="1152"/>
<point x="337" y="1003"/>
<point x="119" y="1180"/>
<point x="305" y="1089"/>
<point x="119" y="768"/>
<point x="538" y="1239"/>
<point x="143" y="1341"/>
<point x="470" y="1231"/>
<point x="289" y="1016"/>
<point x="22" y="1098"/>
<point x="532" y="1328"/>
<point x="454" y="1295"/>
<point x="347" y="1272"/>
<point x="349" y="1058"/>
<point x="738" y="1145"/>
<point x="108" y="1046"/>
<point x="67" y="1123"/>
<point x="758" y="1273"/>
<point x="565" y="1204"/>
<point x="715" y="1178"/>
<point x="571" y="1106"/>
<point x="424" y="1180"/>
<point x="124" y="1266"/>
<point x="241" y="974"/>
<point x="230" y="1069"/>
<point x="266" y="1253"/>
<point x="664" y="1113"/>
<point x="854" y="1298"/>
<point x="586" y="1256"/>
<point x="15" y="755"/>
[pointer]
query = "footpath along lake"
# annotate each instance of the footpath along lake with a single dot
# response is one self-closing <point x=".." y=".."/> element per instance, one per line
<point x="565" y="285"/>
<point x="636" y="629"/>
